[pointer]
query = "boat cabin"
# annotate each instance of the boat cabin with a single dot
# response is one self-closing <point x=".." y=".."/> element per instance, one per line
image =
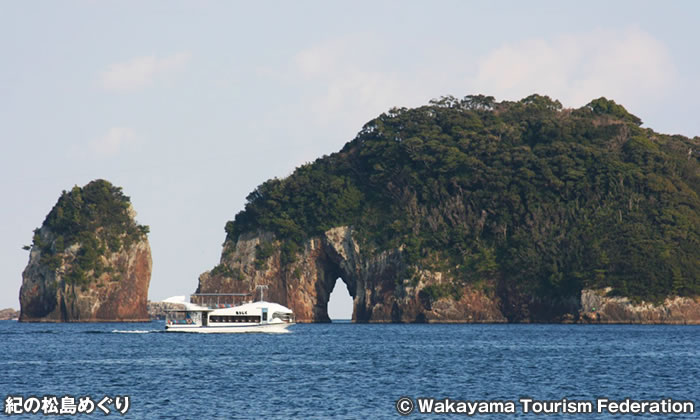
<point x="227" y="317"/>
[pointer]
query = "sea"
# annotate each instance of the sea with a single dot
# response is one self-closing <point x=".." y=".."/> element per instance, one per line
<point x="344" y="370"/>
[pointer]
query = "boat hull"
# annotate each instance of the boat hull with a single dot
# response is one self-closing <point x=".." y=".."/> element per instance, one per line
<point x="229" y="329"/>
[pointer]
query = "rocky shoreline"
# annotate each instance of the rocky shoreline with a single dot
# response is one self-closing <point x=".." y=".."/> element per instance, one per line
<point x="596" y="308"/>
<point x="157" y="310"/>
<point x="305" y="286"/>
<point x="8" y="314"/>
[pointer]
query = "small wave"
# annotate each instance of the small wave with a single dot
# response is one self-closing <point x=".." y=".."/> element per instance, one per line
<point x="135" y="331"/>
<point x="26" y="332"/>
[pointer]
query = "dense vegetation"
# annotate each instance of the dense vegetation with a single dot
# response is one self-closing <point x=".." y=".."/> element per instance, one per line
<point x="540" y="199"/>
<point x="97" y="218"/>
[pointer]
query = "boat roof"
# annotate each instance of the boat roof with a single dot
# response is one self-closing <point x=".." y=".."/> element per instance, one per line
<point x="271" y="306"/>
<point x="182" y="300"/>
<point x="250" y="306"/>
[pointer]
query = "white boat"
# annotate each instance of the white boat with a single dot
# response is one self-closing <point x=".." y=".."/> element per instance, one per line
<point x="207" y="316"/>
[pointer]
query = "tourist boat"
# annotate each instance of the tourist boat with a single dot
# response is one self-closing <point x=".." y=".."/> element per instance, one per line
<point x="205" y="313"/>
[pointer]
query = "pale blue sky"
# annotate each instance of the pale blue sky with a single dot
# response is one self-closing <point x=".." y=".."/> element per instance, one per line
<point x="190" y="105"/>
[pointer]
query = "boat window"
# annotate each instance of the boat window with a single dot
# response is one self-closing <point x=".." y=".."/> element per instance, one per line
<point x="181" y="317"/>
<point x="284" y="316"/>
<point x="235" y="318"/>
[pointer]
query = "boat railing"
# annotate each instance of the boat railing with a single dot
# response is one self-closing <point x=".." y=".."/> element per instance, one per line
<point x="219" y="300"/>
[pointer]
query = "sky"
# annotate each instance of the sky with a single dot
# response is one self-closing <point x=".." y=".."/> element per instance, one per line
<point x="189" y="106"/>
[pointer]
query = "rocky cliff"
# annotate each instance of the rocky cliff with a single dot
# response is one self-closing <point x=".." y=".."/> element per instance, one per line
<point x="158" y="310"/>
<point x="597" y="307"/>
<point x="306" y="284"/>
<point x="8" y="314"/>
<point x="89" y="262"/>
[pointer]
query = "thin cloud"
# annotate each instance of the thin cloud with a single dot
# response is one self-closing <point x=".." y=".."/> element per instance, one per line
<point x="114" y="142"/>
<point x="350" y="80"/>
<point x="629" y="66"/>
<point x="141" y="71"/>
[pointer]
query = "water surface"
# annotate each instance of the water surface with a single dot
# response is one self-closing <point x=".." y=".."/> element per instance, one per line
<point x="345" y="370"/>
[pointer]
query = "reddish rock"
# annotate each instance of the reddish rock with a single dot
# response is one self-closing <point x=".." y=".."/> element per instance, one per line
<point x="8" y="314"/>
<point x="599" y="308"/>
<point x="306" y="284"/>
<point x="371" y="278"/>
<point x="117" y="296"/>
<point x="106" y="281"/>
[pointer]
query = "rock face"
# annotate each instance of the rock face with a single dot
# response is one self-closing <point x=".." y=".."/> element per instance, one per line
<point x="8" y="313"/>
<point x="157" y="310"/>
<point x="45" y="296"/>
<point x="598" y="308"/>
<point x="90" y="261"/>
<point x="306" y="284"/>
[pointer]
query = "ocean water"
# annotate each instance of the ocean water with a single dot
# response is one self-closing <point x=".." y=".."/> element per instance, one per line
<point x="344" y="370"/>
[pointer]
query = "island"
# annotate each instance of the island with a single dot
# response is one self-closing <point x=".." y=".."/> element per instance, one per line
<point x="474" y="210"/>
<point x="89" y="261"/>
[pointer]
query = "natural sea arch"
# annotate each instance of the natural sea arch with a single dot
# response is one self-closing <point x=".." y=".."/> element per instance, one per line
<point x="336" y="264"/>
<point x="340" y="303"/>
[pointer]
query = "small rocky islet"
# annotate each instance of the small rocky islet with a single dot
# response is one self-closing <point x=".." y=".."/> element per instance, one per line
<point x="89" y="261"/>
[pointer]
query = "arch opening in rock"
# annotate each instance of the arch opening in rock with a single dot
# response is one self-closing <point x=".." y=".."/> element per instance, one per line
<point x="340" y="302"/>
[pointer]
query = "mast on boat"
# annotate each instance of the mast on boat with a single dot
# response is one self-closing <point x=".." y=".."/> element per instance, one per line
<point x="262" y="287"/>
